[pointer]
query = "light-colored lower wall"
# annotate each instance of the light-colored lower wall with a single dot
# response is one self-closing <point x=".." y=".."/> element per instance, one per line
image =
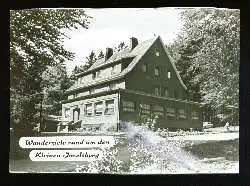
<point x="106" y="121"/>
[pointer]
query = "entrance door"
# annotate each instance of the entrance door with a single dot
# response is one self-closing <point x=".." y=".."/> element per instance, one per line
<point x="76" y="114"/>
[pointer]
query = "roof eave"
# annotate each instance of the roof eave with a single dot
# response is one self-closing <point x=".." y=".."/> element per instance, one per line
<point x="102" y="66"/>
<point x="94" y="84"/>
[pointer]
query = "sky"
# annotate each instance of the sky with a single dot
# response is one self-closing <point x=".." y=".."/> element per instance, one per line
<point x="109" y="27"/>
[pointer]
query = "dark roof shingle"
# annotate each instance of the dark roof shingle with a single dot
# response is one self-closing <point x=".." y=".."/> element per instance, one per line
<point x="136" y="54"/>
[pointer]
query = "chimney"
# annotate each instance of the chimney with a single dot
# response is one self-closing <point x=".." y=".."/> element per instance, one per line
<point x="133" y="43"/>
<point x="109" y="53"/>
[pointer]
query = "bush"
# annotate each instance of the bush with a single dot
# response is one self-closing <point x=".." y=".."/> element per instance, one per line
<point x="108" y="164"/>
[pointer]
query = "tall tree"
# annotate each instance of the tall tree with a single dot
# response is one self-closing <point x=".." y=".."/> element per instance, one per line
<point x="36" y="43"/>
<point x="91" y="59"/>
<point x="184" y="55"/>
<point x="56" y="81"/>
<point x="120" y="47"/>
<point x="100" y="55"/>
<point x="218" y="58"/>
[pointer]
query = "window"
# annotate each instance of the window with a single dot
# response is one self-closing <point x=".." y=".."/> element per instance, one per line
<point x="157" y="91"/>
<point x="67" y="112"/>
<point x="91" y="91"/>
<point x="158" y="110"/>
<point x="166" y="92"/>
<point x="169" y="74"/>
<point x="98" y="74"/>
<point x="195" y="115"/>
<point x="128" y="106"/>
<point x="112" y="86"/>
<point x="112" y="70"/>
<point x="157" y="71"/>
<point x="110" y="107"/>
<point x="175" y="93"/>
<point x="170" y="112"/>
<point x="144" y="68"/>
<point x="182" y="114"/>
<point x="80" y="80"/>
<point x="157" y="54"/>
<point x="145" y="109"/>
<point x="98" y="108"/>
<point x="75" y="95"/>
<point x="94" y="75"/>
<point x="89" y="109"/>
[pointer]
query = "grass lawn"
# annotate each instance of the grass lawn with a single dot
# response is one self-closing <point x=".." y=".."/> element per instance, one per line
<point x="26" y="165"/>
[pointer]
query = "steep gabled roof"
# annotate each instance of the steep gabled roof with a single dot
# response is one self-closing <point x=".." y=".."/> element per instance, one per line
<point x="136" y="54"/>
<point x="123" y="54"/>
<point x="172" y="63"/>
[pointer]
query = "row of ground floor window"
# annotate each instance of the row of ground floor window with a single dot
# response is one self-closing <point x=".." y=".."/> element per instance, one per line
<point x="125" y="106"/>
<point x="107" y="107"/>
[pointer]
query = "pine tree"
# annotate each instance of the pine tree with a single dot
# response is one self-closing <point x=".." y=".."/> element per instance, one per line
<point x="101" y="55"/>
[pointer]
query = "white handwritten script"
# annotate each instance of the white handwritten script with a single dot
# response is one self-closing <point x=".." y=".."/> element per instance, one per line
<point x="65" y="155"/>
<point x="85" y="148"/>
<point x="67" y="142"/>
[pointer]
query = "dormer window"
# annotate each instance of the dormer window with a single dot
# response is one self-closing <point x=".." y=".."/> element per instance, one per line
<point x="75" y="95"/>
<point x="98" y="74"/>
<point x="112" y="86"/>
<point x="157" y="71"/>
<point x="91" y="91"/>
<point x="112" y="70"/>
<point x="94" y="75"/>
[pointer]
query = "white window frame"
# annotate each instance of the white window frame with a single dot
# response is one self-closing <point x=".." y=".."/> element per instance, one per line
<point x="98" y="111"/>
<point x="169" y="75"/>
<point x="87" y="113"/>
<point x="67" y="112"/>
<point x="109" y="110"/>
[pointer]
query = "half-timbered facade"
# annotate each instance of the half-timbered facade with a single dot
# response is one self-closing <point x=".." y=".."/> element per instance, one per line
<point x="136" y="84"/>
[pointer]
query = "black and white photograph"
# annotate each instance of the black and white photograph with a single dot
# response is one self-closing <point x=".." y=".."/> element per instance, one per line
<point x="124" y="90"/>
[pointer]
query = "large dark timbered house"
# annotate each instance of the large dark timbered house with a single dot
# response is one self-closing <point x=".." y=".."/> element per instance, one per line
<point x="138" y="83"/>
